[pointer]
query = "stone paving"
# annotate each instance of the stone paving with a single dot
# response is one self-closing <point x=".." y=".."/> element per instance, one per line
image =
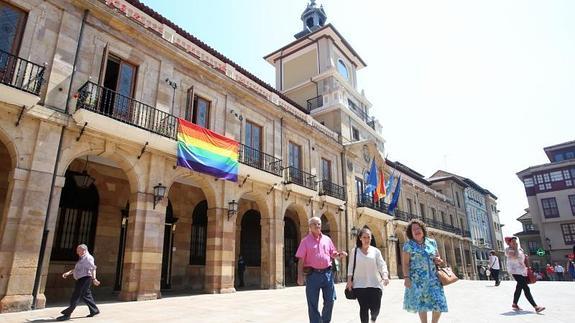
<point x="469" y="301"/>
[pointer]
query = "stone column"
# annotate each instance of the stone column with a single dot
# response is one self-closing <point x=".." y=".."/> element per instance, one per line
<point x="144" y="247"/>
<point x="54" y="210"/>
<point x="219" y="277"/>
<point x="472" y="261"/>
<point x="464" y="260"/>
<point x="21" y="236"/>
<point x="452" y="254"/>
<point x="272" y="268"/>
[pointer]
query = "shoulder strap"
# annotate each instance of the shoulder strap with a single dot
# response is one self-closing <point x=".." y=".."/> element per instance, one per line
<point x="354" y="259"/>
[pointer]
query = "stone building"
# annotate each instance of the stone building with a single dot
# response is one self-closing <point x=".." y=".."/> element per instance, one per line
<point x="551" y="197"/>
<point x="90" y="94"/>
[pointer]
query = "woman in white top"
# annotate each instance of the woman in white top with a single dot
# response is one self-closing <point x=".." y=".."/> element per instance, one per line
<point x="516" y="267"/>
<point x="369" y="277"/>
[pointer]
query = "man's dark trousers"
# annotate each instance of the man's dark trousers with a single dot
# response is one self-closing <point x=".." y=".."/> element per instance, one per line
<point x="82" y="291"/>
<point x="495" y="275"/>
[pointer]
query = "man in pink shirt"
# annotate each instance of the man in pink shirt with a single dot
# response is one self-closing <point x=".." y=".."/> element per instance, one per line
<point x="315" y="253"/>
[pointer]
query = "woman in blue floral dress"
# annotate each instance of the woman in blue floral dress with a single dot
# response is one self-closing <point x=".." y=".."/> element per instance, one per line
<point x="423" y="290"/>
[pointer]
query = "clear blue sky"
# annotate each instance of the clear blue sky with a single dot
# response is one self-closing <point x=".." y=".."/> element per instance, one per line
<point x="477" y="88"/>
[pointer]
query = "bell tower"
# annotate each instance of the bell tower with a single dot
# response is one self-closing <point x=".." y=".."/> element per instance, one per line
<point x="313" y="18"/>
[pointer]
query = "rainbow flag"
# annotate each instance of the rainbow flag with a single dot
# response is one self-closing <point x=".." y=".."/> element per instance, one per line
<point x="205" y="151"/>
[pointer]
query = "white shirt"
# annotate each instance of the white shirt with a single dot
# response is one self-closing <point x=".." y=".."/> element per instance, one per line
<point x="559" y="269"/>
<point x="370" y="269"/>
<point x="516" y="261"/>
<point x="494" y="262"/>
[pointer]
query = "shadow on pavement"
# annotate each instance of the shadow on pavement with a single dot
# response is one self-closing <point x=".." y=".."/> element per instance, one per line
<point x="515" y="313"/>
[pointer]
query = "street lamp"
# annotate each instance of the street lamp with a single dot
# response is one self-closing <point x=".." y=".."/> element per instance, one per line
<point x="354" y="231"/>
<point x="159" y="192"/>
<point x="232" y="209"/>
<point x="84" y="180"/>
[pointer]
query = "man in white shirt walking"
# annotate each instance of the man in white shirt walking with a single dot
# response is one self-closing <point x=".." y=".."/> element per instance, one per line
<point x="559" y="270"/>
<point x="494" y="267"/>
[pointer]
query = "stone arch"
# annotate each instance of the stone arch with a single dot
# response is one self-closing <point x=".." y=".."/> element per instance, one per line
<point x="300" y="214"/>
<point x="189" y="177"/>
<point x="334" y="231"/>
<point x="8" y="142"/>
<point x="132" y="169"/>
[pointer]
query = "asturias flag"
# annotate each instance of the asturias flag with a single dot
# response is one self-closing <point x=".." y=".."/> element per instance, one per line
<point x="205" y="151"/>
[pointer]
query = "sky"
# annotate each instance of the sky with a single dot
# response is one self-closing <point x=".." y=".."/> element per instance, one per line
<point x="476" y="88"/>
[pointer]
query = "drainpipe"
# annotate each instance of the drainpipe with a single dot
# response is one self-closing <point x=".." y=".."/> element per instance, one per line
<point x="76" y="55"/>
<point x="344" y="184"/>
<point x="58" y="154"/>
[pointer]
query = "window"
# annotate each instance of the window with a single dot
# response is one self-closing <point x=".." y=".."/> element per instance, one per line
<point x="568" y="233"/>
<point x="326" y="169"/>
<point x="422" y="209"/>
<point x="355" y="133"/>
<point x="533" y="246"/>
<point x="13" y="21"/>
<point x="457" y="197"/>
<point x="528" y="227"/>
<point x="442" y="217"/>
<point x="451" y="219"/>
<point x="550" y="209"/>
<point x="120" y="80"/>
<point x="201" y="114"/>
<point x="294" y="157"/>
<point x="556" y="176"/>
<point x="77" y="219"/>
<point x="409" y="206"/>
<point x="252" y="153"/>
<point x="199" y="234"/>
<point x="528" y="182"/>
<point x="572" y="203"/>
<point x="433" y="214"/>
<point x="569" y="155"/>
<point x="558" y="157"/>
<point x="342" y="69"/>
<point x="359" y="187"/>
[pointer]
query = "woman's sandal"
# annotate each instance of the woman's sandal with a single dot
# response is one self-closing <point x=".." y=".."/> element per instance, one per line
<point x="539" y="309"/>
<point x="516" y="307"/>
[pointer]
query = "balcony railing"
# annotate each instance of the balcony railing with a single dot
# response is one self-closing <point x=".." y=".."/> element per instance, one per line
<point x="300" y="178"/>
<point x="315" y="103"/>
<point x="331" y="189"/>
<point x="257" y="159"/>
<point x="366" y="200"/>
<point x="21" y="74"/>
<point x="125" y="109"/>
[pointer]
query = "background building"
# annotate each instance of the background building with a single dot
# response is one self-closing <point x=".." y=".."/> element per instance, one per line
<point x="551" y="198"/>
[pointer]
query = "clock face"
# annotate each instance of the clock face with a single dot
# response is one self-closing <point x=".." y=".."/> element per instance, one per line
<point x="366" y="156"/>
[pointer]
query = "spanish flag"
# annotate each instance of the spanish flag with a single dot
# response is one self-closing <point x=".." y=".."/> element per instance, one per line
<point x="380" y="188"/>
<point x="205" y="151"/>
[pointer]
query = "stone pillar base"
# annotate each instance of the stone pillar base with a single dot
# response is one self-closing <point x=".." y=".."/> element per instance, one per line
<point x="221" y="290"/>
<point x="40" y="301"/>
<point x="16" y="303"/>
<point x="135" y="296"/>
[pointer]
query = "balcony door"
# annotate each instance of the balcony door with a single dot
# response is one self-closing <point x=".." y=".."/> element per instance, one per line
<point x="12" y="22"/>
<point x="253" y="144"/>
<point x="119" y="84"/>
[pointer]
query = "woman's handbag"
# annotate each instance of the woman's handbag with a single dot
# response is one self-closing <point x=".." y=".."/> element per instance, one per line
<point x="531" y="278"/>
<point x="446" y="275"/>
<point x="349" y="294"/>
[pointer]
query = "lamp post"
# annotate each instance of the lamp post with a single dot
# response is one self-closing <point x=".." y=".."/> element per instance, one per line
<point x="83" y="180"/>
<point x="174" y="86"/>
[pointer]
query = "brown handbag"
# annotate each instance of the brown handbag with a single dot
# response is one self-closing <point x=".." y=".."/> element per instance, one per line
<point x="446" y="275"/>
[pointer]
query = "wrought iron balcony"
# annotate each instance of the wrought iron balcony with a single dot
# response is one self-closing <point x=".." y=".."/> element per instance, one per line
<point x="331" y="189"/>
<point x="21" y="74"/>
<point x="301" y="178"/>
<point x="257" y="159"/>
<point x="125" y="109"/>
<point x="315" y="103"/>
<point x="366" y="200"/>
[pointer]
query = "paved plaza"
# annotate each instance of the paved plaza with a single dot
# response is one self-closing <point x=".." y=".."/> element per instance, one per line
<point x="469" y="301"/>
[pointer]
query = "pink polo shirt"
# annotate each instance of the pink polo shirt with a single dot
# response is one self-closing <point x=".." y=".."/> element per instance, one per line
<point x="316" y="253"/>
